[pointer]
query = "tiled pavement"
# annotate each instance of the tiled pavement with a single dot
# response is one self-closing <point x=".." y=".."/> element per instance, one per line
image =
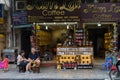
<point x="52" y="73"/>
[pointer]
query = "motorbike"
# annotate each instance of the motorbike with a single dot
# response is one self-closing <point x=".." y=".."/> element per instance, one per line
<point x="114" y="72"/>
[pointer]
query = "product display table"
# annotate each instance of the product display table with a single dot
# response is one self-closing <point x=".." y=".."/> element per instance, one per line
<point x="74" y="57"/>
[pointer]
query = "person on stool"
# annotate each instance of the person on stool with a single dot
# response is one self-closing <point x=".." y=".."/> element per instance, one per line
<point x="33" y="57"/>
<point x="22" y="61"/>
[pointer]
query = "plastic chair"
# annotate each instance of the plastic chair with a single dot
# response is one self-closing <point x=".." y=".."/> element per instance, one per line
<point x="114" y="60"/>
<point x="107" y="64"/>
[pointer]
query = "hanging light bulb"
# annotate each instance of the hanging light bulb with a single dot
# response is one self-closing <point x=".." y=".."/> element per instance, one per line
<point x="54" y="23"/>
<point x="99" y="24"/>
<point x="44" y="23"/>
<point x="67" y="26"/>
<point x="46" y="27"/>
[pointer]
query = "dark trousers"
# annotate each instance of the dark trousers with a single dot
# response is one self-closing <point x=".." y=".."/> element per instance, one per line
<point x="22" y="66"/>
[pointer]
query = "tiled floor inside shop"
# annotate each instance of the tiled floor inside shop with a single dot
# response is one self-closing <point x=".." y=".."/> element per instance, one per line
<point x="52" y="73"/>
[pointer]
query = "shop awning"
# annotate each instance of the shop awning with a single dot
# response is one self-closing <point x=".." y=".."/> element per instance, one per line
<point x="23" y="26"/>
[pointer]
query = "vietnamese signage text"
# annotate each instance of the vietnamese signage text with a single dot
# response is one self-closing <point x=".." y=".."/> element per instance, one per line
<point x="19" y="18"/>
<point x="100" y="12"/>
<point x="55" y="10"/>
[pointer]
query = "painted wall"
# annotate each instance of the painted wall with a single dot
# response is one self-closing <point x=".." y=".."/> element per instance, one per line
<point x="17" y="39"/>
<point x="45" y="37"/>
<point x="2" y="43"/>
<point x="57" y="34"/>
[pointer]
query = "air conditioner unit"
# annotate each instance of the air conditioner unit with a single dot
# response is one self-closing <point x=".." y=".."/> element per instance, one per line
<point x="20" y="5"/>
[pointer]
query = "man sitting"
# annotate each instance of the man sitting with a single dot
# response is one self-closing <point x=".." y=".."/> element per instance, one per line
<point x="33" y="58"/>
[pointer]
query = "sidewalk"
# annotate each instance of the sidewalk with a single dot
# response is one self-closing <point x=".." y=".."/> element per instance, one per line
<point x="51" y="73"/>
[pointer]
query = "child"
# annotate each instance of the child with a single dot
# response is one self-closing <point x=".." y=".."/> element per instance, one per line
<point x="6" y="62"/>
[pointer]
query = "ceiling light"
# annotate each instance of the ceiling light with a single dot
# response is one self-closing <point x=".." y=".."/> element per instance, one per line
<point x="65" y="23"/>
<point x="99" y="24"/>
<point x="34" y="23"/>
<point x="75" y="22"/>
<point x="44" y="23"/>
<point x="67" y="26"/>
<point x="46" y="27"/>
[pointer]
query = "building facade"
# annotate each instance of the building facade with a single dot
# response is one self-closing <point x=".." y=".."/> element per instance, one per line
<point x="83" y="13"/>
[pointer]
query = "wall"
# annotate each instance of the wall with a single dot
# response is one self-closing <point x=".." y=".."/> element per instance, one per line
<point x="57" y="34"/>
<point x="45" y="37"/>
<point x="2" y="43"/>
<point x="17" y="39"/>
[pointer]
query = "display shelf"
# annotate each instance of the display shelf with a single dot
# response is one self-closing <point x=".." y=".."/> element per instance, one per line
<point x="79" y="55"/>
<point x="107" y="37"/>
<point x="80" y="38"/>
<point x="44" y="38"/>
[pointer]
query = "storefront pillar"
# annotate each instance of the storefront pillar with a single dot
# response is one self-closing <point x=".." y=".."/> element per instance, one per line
<point x="115" y="36"/>
<point x="84" y="31"/>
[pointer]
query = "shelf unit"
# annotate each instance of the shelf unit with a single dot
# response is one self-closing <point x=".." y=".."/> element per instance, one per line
<point x="79" y="36"/>
<point x="107" y="42"/>
<point x="81" y="39"/>
<point x="43" y="38"/>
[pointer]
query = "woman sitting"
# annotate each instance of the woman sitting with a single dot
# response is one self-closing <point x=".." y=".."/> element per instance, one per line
<point x="22" y="61"/>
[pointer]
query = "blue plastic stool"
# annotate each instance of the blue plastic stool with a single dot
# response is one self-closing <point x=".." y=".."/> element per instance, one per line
<point x="107" y="65"/>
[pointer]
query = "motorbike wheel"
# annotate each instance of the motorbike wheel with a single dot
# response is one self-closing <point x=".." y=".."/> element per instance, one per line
<point x="113" y="74"/>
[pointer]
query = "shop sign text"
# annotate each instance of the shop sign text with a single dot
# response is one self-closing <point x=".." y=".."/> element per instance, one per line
<point x="55" y="10"/>
<point x="100" y="12"/>
<point x="19" y="18"/>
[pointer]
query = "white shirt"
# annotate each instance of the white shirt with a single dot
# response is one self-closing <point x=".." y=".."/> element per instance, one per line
<point x="19" y="57"/>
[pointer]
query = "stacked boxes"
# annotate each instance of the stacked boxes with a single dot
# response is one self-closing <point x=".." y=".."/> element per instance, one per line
<point x="108" y="38"/>
<point x="73" y="57"/>
<point x="85" y="59"/>
<point x="67" y="58"/>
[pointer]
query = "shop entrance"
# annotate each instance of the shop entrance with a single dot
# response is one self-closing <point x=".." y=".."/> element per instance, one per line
<point x="52" y="35"/>
<point x="25" y="40"/>
<point x="96" y="34"/>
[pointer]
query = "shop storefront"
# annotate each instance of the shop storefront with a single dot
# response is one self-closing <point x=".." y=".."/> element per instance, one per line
<point x="59" y="31"/>
<point x="70" y="28"/>
<point x="100" y="22"/>
<point x="54" y="22"/>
